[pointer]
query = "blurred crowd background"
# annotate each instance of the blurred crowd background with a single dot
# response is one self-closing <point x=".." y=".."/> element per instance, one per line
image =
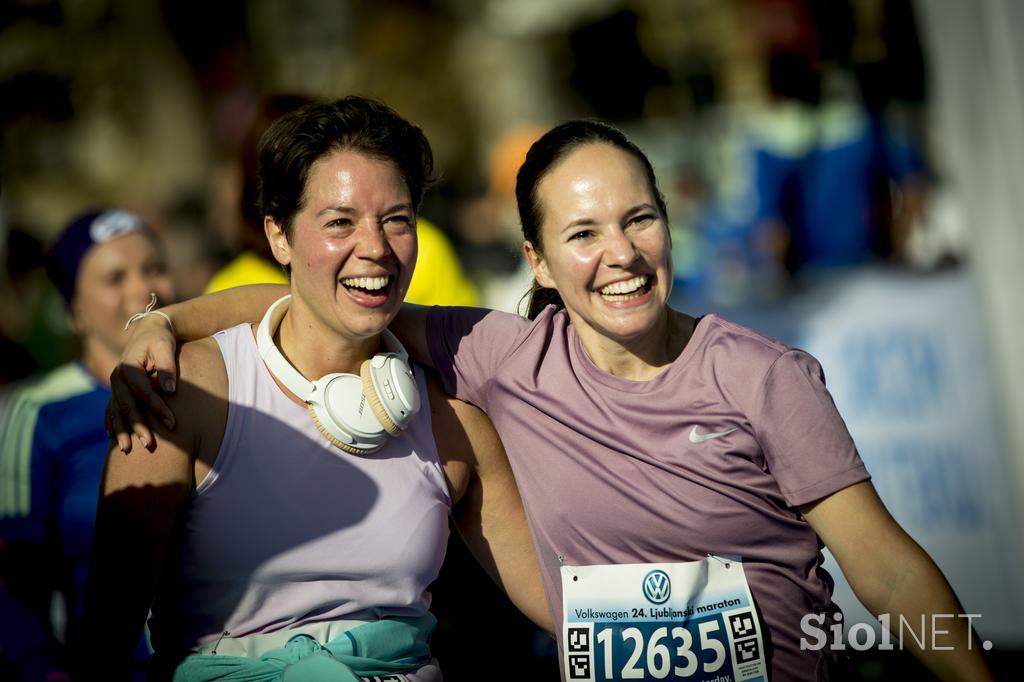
<point x="803" y="145"/>
<point x="767" y="119"/>
<point x="789" y="135"/>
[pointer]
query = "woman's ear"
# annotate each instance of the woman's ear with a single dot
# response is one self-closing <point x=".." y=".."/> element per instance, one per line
<point x="538" y="264"/>
<point x="278" y="241"/>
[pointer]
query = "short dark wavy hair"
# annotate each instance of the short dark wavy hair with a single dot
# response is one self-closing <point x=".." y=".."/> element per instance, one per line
<point x="297" y="140"/>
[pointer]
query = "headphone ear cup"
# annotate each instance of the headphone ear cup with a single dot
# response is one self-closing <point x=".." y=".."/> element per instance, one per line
<point x="311" y="408"/>
<point x="374" y="401"/>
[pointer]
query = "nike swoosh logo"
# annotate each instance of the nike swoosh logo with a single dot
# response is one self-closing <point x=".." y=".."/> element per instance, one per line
<point x="701" y="437"/>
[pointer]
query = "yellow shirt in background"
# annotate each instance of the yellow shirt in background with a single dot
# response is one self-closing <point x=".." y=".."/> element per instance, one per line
<point x="438" y="279"/>
<point x="246" y="268"/>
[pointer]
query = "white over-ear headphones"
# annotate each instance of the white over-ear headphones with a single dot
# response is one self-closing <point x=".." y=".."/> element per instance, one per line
<point x="355" y="413"/>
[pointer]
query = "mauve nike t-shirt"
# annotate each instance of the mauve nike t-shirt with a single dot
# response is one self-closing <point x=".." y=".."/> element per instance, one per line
<point x="609" y="474"/>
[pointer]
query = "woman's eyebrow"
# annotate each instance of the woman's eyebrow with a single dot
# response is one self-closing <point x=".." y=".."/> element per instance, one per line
<point x="638" y="209"/>
<point x="336" y="209"/>
<point x="579" y="222"/>
<point x="348" y="209"/>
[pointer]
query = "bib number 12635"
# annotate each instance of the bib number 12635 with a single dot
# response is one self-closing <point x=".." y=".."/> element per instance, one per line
<point x="701" y="635"/>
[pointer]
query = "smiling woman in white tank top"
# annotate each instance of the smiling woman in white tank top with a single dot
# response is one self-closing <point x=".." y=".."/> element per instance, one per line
<point x="290" y="524"/>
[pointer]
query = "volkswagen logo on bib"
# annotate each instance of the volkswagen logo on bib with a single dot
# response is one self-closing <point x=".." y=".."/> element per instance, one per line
<point x="657" y="587"/>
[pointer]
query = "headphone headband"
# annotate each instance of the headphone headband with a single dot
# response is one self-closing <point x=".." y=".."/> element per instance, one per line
<point x="272" y="355"/>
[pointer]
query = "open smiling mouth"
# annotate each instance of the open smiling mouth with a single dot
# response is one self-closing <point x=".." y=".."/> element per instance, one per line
<point x="368" y="286"/>
<point x="631" y="288"/>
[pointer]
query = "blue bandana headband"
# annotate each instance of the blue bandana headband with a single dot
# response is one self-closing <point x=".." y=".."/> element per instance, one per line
<point x="97" y="227"/>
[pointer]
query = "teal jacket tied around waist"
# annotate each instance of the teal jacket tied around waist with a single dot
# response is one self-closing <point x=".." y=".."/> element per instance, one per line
<point x="393" y="645"/>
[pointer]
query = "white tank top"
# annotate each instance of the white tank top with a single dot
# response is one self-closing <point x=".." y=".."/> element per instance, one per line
<point x="287" y="529"/>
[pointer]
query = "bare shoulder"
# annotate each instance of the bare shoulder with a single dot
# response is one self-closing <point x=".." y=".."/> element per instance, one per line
<point x="203" y="379"/>
<point x="202" y="366"/>
<point x="201" y="401"/>
<point x="200" y="406"/>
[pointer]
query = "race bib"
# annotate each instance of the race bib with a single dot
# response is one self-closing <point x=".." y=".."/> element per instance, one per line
<point x="686" y="621"/>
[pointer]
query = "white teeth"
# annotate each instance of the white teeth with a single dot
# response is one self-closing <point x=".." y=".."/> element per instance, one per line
<point x="368" y="283"/>
<point x="627" y="287"/>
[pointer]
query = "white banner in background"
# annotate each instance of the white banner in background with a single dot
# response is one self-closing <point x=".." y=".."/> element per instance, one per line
<point x="905" y="360"/>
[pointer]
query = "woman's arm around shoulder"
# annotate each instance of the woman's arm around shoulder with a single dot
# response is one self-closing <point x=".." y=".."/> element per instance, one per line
<point x="142" y="498"/>
<point x="147" y="371"/>
<point x="149" y="360"/>
<point x="488" y="510"/>
<point x="891" y="574"/>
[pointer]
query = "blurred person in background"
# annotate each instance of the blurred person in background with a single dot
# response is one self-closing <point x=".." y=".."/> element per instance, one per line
<point x="106" y="265"/>
<point x="826" y="185"/>
<point x="826" y="169"/>
<point x="439" y="278"/>
<point x="838" y="147"/>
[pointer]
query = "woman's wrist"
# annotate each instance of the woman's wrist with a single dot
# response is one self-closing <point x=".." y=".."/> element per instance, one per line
<point x="151" y="313"/>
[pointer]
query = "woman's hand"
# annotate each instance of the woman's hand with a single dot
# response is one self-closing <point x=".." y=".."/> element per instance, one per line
<point x="148" y="361"/>
<point x="150" y="356"/>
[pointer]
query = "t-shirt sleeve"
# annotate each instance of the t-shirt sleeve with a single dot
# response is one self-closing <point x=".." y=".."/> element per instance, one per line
<point x="806" y="444"/>
<point x="468" y="345"/>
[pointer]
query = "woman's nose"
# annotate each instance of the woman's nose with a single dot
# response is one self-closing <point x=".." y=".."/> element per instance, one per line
<point x="373" y="242"/>
<point x="619" y="250"/>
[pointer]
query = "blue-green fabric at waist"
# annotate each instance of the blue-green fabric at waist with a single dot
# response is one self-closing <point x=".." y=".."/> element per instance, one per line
<point x="392" y="645"/>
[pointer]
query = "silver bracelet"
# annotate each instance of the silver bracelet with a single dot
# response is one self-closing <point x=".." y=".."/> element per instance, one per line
<point x="149" y="311"/>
